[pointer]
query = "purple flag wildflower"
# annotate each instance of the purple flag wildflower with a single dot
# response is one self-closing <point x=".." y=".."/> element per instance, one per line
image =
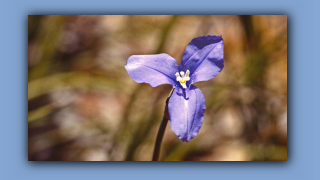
<point x="201" y="61"/>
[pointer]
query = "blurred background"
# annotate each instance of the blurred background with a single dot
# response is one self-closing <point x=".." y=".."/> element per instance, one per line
<point x="83" y="105"/>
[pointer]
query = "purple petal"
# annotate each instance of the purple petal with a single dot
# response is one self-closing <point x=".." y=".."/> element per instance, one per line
<point x="183" y="92"/>
<point x="203" y="57"/>
<point x="152" y="69"/>
<point x="186" y="116"/>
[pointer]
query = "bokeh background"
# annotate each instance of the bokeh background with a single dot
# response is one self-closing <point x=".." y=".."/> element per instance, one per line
<point x="83" y="106"/>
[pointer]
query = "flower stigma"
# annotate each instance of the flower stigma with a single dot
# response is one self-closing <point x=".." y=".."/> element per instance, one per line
<point x="184" y="78"/>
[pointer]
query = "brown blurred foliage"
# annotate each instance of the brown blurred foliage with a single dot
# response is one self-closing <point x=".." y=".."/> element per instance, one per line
<point x="83" y="106"/>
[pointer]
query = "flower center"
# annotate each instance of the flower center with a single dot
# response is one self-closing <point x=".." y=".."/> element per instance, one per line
<point x="184" y="78"/>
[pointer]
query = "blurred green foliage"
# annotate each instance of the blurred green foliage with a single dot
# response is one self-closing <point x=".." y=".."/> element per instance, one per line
<point x="83" y="106"/>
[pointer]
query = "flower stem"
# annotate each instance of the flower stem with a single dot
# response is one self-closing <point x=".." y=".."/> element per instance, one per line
<point x="157" y="145"/>
<point x="161" y="131"/>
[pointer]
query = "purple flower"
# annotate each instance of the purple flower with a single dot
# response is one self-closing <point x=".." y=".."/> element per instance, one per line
<point x="201" y="61"/>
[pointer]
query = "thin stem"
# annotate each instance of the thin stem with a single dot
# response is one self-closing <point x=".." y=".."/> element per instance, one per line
<point x="157" y="145"/>
<point x="161" y="131"/>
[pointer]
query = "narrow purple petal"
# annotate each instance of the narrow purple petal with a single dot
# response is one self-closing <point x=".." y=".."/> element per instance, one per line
<point x="186" y="115"/>
<point x="152" y="69"/>
<point x="203" y="57"/>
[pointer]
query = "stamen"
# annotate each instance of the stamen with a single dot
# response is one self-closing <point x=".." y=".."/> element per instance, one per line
<point x="178" y="76"/>
<point x="183" y="83"/>
<point x="187" y="78"/>
<point x="182" y="74"/>
<point x="187" y="73"/>
<point x="184" y="78"/>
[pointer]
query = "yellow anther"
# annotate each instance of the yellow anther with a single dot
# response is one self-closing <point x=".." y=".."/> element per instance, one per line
<point x="184" y="78"/>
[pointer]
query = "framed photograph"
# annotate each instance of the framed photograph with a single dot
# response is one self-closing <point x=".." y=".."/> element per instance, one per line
<point x="157" y="87"/>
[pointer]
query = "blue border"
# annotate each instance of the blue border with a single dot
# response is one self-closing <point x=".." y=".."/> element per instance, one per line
<point x="303" y="89"/>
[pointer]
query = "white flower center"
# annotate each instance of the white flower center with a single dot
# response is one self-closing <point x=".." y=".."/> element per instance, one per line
<point x="184" y="78"/>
